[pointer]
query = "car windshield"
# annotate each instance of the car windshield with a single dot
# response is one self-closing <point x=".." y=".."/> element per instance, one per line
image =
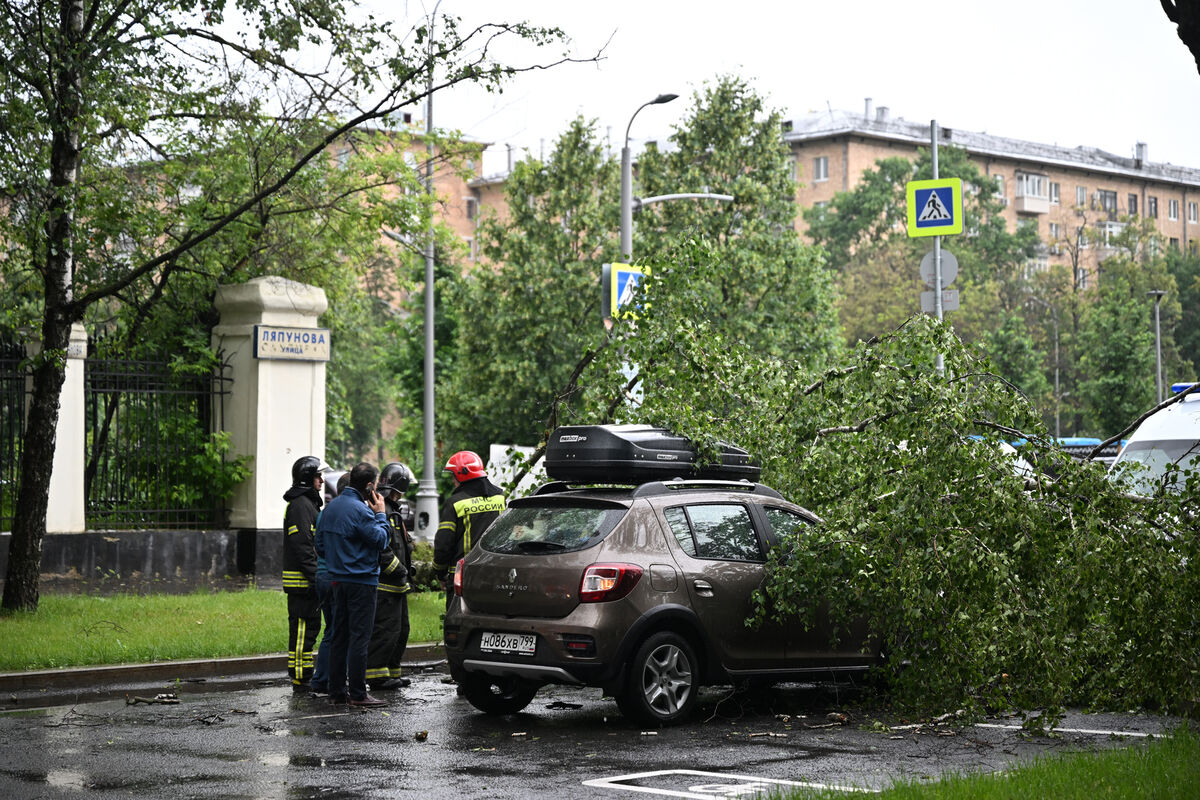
<point x="1142" y="465"/>
<point x="550" y="528"/>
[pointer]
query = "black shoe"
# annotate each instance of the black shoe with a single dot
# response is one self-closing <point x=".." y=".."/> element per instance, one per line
<point x="338" y="699"/>
<point x="390" y="683"/>
<point x="403" y="682"/>
<point x="318" y="690"/>
<point x="300" y="688"/>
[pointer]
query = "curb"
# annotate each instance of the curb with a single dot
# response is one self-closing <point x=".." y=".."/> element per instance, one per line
<point x="81" y="677"/>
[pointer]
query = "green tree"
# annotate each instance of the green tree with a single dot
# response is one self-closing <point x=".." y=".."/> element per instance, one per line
<point x="864" y="232"/>
<point x="1185" y="269"/>
<point x="775" y="293"/>
<point x="107" y="105"/>
<point x="995" y="591"/>
<point x="528" y="316"/>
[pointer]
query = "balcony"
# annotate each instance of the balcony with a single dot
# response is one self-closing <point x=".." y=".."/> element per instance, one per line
<point x="1029" y="204"/>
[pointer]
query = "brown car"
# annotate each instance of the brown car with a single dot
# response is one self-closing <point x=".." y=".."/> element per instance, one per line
<point x="641" y="590"/>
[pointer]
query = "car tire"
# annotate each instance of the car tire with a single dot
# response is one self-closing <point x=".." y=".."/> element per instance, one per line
<point x="661" y="686"/>
<point x="494" y="695"/>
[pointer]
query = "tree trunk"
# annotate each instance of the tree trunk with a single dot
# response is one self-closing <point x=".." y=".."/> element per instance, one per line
<point x="37" y="454"/>
<point x="37" y="459"/>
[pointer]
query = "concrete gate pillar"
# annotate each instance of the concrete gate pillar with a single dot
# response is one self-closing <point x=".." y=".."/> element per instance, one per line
<point x="65" y="511"/>
<point x="275" y="412"/>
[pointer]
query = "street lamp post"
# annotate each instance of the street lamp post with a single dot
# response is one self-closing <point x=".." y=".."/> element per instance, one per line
<point x="1157" y="294"/>
<point x="627" y="182"/>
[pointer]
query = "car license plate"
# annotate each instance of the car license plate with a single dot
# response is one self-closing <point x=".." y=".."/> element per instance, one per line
<point x="521" y="644"/>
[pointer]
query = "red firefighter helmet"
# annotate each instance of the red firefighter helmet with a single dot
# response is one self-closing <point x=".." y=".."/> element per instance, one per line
<point x="465" y="465"/>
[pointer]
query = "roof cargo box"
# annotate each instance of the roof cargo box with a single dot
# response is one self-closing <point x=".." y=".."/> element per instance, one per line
<point x="636" y="454"/>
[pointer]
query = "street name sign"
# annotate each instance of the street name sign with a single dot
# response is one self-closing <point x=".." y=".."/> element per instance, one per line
<point x="934" y="207"/>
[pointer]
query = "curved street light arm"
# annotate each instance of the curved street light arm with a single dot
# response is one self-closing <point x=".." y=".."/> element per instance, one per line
<point x="638" y="202"/>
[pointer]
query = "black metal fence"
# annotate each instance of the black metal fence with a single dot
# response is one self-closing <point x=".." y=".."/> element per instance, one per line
<point x="149" y="458"/>
<point x="14" y="390"/>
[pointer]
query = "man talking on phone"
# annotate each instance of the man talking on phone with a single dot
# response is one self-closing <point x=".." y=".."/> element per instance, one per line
<point x="351" y="532"/>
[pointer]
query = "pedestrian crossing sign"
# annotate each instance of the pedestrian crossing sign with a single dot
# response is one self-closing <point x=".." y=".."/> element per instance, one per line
<point x="624" y="281"/>
<point x="935" y="207"/>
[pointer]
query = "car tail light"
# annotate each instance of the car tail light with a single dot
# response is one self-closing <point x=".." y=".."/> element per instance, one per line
<point x="604" y="582"/>
<point x="458" y="571"/>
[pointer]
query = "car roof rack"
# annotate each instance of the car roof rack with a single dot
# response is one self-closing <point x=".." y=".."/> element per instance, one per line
<point x="654" y="488"/>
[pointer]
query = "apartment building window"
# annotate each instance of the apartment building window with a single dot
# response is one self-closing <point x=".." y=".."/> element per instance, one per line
<point x="1054" y="193"/>
<point x="472" y="208"/>
<point x="1133" y="205"/>
<point x="1031" y="185"/>
<point x="1173" y="210"/>
<point x="472" y="247"/>
<point x="1055" y="231"/>
<point x="1081" y="195"/>
<point x="821" y="168"/>
<point x="1174" y="243"/>
<point x="790" y="167"/>
<point x="1081" y="278"/>
<point x="1193" y="212"/>
<point x="1152" y="207"/>
<point x="1107" y="200"/>
<point x="999" y="186"/>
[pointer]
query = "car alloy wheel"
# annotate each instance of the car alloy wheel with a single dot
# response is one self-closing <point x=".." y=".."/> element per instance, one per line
<point x="662" y="680"/>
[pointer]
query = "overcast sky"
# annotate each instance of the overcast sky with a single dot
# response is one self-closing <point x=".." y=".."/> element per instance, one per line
<point x="1102" y="73"/>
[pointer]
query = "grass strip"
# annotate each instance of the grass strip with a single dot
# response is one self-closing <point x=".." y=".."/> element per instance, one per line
<point x="89" y="630"/>
<point x="1166" y="768"/>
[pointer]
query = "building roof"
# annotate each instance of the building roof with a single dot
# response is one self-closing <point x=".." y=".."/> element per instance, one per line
<point x="825" y="124"/>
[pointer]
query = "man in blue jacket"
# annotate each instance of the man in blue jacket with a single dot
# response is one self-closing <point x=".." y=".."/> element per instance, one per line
<point x="351" y="532"/>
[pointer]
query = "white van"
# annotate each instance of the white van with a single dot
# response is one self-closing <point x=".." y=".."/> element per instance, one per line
<point x="1170" y="436"/>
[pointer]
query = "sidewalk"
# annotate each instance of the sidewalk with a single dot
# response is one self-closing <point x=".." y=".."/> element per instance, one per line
<point x="44" y="685"/>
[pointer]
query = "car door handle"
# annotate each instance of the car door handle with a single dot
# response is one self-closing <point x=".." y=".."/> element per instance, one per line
<point x="703" y="587"/>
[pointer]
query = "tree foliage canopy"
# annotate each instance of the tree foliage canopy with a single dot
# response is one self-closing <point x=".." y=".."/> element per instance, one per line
<point x="145" y="141"/>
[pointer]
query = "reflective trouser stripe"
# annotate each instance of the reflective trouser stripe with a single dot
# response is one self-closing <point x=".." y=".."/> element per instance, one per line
<point x="378" y="672"/>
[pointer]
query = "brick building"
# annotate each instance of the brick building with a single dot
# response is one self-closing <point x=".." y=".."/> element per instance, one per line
<point x="1079" y="195"/>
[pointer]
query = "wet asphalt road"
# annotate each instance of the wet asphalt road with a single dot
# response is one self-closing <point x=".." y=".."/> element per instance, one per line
<point x="251" y="738"/>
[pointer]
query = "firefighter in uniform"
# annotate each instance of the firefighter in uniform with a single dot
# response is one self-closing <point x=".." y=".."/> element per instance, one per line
<point x="472" y="507"/>
<point x="389" y="636"/>
<point x="300" y="568"/>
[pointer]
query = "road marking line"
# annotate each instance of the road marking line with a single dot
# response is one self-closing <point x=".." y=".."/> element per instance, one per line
<point x="749" y="783"/>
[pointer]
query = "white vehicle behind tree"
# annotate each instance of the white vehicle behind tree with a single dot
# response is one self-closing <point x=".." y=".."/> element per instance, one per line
<point x="1165" y="446"/>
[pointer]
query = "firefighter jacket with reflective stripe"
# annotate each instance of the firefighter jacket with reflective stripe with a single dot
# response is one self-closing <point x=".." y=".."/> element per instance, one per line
<point x="299" y="552"/>
<point x="395" y="560"/>
<point x="474" y="506"/>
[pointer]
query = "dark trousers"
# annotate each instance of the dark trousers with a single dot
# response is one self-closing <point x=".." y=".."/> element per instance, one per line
<point x="389" y="637"/>
<point x="353" y="618"/>
<point x="320" y="676"/>
<point x="304" y="623"/>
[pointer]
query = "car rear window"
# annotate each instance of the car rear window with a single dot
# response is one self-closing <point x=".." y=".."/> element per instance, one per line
<point x="553" y="528"/>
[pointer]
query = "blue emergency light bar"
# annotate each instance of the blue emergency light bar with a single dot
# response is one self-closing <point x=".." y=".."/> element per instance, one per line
<point x="1177" y="388"/>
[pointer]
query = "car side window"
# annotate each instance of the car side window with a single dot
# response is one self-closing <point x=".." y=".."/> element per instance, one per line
<point x="785" y="523"/>
<point x="718" y="531"/>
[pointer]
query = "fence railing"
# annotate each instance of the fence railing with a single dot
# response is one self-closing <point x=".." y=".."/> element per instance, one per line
<point x="147" y="433"/>
<point x="14" y="390"/>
